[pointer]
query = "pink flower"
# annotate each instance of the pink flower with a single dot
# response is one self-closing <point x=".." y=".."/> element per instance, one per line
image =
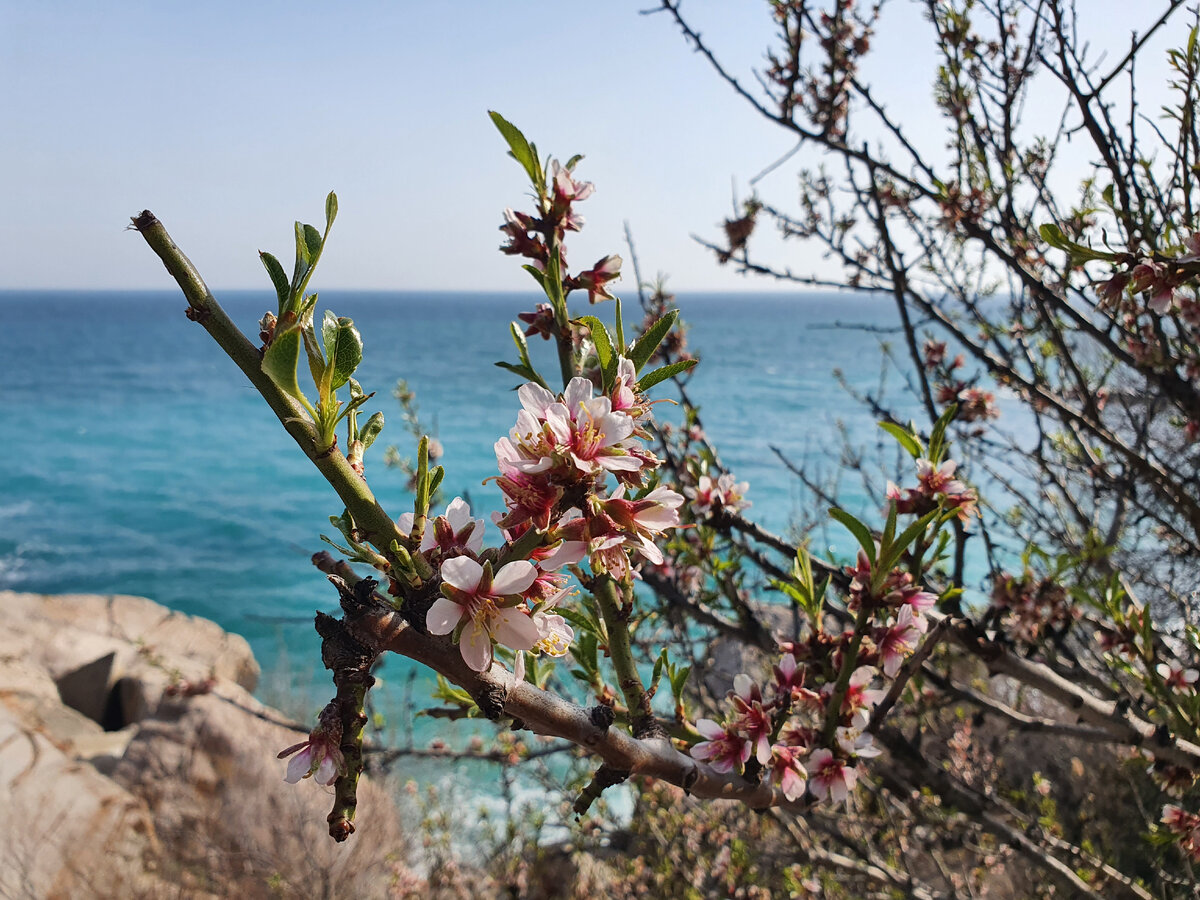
<point x="454" y="530"/>
<point x="320" y="756"/>
<point x="829" y="776"/>
<point x="1176" y="676"/>
<point x="899" y="640"/>
<point x="554" y="634"/>
<point x="752" y="721"/>
<point x="859" y="699"/>
<point x="725" y="749"/>
<point x="487" y="607"/>
<point x="641" y="520"/>
<point x="856" y="742"/>
<point x="723" y="493"/>
<point x="789" y="676"/>
<point x="593" y="280"/>
<point x="787" y="772"/>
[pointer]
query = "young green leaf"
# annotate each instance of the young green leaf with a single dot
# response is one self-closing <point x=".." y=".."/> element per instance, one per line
<point x="904" y="438"/>
<point x="331" y="210"/>
<point x="620" y="323"/>
<point x="860" y="531"/>
<point x="604" y="351"/>
<point x="641" y="351"/>
<point x="278" y="278"/>
<point x="650" y="379"/>
<point x="518" y="147"/>
<point x="518" y="337"/>
<point x="343" y="346"/>
<point x="280" y="360"/>
<point x="525" y="372"/>
<point x="370" y="431"/>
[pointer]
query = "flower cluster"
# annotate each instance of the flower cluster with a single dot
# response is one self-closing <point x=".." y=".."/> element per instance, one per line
<point x="554" y="466"/>
<point x="709" y="495"/>
<point x="1027" y="609"/>
<point x="974" y="403"/>
<point x="809" y="732"/>
<point x="1185" y="826"/>
<point x="936" y="485"/>
<point x="782" y="735"/>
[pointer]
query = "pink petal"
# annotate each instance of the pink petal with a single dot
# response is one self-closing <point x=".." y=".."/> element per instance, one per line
<point x="298" y="766"/>
<point x="476" y="647"/>
<point x="462" y="572"/>
<point x="514" y="578"/>
<point x="326" y="772"/>
<point x="579" y="390"/>
<point x="514" y="629"/>
<point x="443" y="616"/>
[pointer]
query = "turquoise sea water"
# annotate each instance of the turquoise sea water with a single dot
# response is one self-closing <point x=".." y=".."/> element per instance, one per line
<point x="140" y="460"/>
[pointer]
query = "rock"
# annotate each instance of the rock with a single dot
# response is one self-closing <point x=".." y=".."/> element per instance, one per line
<point x="181" y="795"/>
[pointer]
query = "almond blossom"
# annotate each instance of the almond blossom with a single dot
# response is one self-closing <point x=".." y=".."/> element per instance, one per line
<point x="487" y="607"/>
<point x="898" y="640"/>
<point x="752" y="721"/>
<point x="725" y="749"/>
<point x="456" y="529"/>
<point x="320" y="756"/>
<point x="829" y="776"/>
<point x="787" y="772"/>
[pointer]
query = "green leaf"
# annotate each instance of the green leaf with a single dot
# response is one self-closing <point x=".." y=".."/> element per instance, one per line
<point x="343" y="346"/>
<point x="658" y="670"/>
<point x="345" y="551"/>
<point x="937" y="439"/>
<point x="1053" y="235"/>
<point x="538" y="275"/>
<point x="331" y="210"/>
<point x="279" y="362"/>
<point x="313" y="241"/>
<point x="370" y="431"/>
<point x="641" y="351"/>
<point x="679" y="680"/>
<point x="312" y="348"/>
<point x="518" y="147"/>
<point x="518" y="337"/>
<point x="435" y="479"/>
<point x="860" y="531"/>
<point x="604" y="350"/>
<point x="525" y="372"/>
<point x="650" y="379"/>
<point x="278" y="278"/>
<point x="896" y="548"/>
<point x="620" y="323"/>
<point x="904" y="438"/>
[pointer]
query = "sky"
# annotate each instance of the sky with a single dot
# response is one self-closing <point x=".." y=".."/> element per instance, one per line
<point x="229" y="120"/>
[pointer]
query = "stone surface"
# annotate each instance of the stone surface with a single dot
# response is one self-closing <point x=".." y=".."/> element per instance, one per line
<point x="186" y="796"/>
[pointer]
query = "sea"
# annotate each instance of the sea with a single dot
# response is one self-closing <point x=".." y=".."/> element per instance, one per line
<point x="142" y="462"/>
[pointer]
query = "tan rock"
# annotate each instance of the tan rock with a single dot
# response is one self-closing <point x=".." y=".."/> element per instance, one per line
<point x="189" y="800"/>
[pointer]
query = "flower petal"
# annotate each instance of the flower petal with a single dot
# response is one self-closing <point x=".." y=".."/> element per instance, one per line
<point x="298" y="766"/>
<point x="513" y="578"/>
<point x="443" y="616"/>
<point x="514" y="629"/>
<point x="462" y="572"/>
<point x="476" y="647"/>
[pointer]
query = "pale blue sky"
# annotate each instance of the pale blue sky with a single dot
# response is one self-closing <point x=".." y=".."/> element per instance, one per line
<point x="231" y="119"/>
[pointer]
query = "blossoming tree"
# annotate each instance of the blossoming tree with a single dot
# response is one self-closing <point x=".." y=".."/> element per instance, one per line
<point x="600" y="494"/>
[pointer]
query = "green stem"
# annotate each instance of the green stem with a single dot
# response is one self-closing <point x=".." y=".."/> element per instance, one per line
<point x="608" y="594"/>
<point x="369" y="517"/>
<point x="345" y="801"/>
<point x="833" y="713"/>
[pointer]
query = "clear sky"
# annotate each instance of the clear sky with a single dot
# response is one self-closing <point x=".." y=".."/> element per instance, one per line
<point x="231" y="119"/>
